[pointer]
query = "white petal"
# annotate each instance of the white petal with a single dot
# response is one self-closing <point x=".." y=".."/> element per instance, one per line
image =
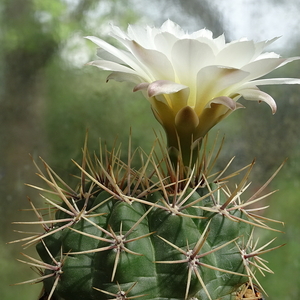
<point x="111" y="66"/>
<point x="141" y="36"/>
<point x="236" y="54"/>
<point x="157" y="64"/>
<point x="267" y="55"/>
<point x="101" y="53"/>
<point x="221" y="77"/>
<point x="220" y="42"/>
<point x="173" y="28"/>
<point x="212" y="80"/>
<point x="288" y="60"/>
<point x="215" y="44"/>
<point x="164" y="87"/>
<point x="226" y="101"/>
<point x="262" y="67"/>
<point x="177" y="94"/>
<point x="258" y="95"/>
<point x="125" y="57"/>
<point x="119" y="76"/>
<point x="260" y="46"/>
<point x="271" y="81"/>
<point x="178" y="100"/>
<point x="196" y="56"/>
<point x="141" y="86"/>
<point x="259" y="68"/>
<point x="164" y="42"/>
<point x="117" y="53"/>
<point x="202" y="33"/>
<point x="118" y="33"/>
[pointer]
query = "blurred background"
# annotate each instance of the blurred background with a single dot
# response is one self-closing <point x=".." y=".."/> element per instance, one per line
<point x="48" y="98"/>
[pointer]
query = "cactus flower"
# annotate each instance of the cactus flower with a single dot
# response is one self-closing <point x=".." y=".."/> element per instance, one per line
<point x="192" y="81"/>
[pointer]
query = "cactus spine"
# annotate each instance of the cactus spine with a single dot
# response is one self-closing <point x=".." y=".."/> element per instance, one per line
<point x="163" y="231"/>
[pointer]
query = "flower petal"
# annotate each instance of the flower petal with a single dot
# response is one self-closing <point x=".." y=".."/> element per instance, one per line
<point x="141" y="86"/>
<point x="262" y="67"/>
<point x="213" y="80"/>
<point x="164" y="87"/>
<point x="288" y="60"/>
<point x="117" y="33"/>
<point x="125" y="57"/>
<point x="186" y="120"/>
<point x="164" y="42"/>
<point x="202" y="33"/>
<point x="142" y="36"/>
<point x="260" y="46"/>
<point x="103" y="54"/>
<point x="111" y="66"/>
<point x="210" y="117"/>
<point x="267" y="55"/>
<point x="271" y="81"/>
<point x="172" y="94"/>
<point x="259" y="68"/>
<point x="226" y="101"/>
<point x="196" y="56"/>
<point x="258" y="95"/>
<point x="113" y="51"/>
<point x="173" y="28"/>
<point x="219" y="43"/>
<point x="156" y="63"/>
<point x="231" y="54"/>
<point x="120" y="76"/>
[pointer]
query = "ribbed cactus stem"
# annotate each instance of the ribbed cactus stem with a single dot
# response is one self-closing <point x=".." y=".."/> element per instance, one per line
<point x="157" y="233"/>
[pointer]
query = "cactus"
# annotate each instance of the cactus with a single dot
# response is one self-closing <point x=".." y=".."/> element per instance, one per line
<point x="158" y="232"/>
<point x="175" y="227"/>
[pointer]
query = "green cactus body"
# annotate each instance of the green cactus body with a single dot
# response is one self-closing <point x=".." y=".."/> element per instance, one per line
<point x="141" y="259"/>
<point x="145" y="237"/>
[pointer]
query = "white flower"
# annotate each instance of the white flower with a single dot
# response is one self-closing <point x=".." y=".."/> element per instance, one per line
<point x="192" y="81"/>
